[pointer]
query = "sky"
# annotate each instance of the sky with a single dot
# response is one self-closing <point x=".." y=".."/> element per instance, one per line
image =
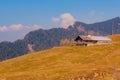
<point x="18" y="17"/>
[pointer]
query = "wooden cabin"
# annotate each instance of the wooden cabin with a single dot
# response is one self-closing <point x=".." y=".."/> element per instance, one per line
<point x="92" y="40"/>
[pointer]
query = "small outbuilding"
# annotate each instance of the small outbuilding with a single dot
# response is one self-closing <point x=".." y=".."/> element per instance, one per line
<point x="92" y="40"/>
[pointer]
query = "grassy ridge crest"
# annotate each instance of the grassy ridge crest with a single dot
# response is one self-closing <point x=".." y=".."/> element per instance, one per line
<point x="99" y="62"/>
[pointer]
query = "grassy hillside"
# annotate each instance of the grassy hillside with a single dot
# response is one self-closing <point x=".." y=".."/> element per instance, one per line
<point x="100" y="62"/>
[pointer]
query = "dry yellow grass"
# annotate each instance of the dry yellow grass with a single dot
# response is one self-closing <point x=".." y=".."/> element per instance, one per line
<point x="100" y="62"/>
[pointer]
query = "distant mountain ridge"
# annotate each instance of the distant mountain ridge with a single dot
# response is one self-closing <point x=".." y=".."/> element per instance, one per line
<point x="44" y="39"/>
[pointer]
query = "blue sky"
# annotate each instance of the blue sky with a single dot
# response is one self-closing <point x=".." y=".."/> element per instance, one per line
<point x="26" y="15"/>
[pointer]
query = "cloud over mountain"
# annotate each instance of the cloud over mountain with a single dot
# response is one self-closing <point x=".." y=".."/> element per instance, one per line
<point x="16" y="31"/>
<point x="18" y="27"/>
<point x="65" y="19"/>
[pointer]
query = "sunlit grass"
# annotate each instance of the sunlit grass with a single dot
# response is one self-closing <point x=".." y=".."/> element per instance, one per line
<point x="63" y="62"/>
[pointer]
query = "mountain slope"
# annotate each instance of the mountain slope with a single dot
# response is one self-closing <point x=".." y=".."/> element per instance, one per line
<point x="45" y="39"/>
<point x="66" y="63"/>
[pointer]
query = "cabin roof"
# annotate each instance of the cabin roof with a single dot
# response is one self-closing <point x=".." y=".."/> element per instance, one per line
<point x="85" y="37"/>
<point x="98" y="38"/>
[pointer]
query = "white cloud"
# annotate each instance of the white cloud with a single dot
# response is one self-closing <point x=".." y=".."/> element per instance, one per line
<point x="3" y="28"/>
<point x="36" y="26"/>
<point x="32" y="28"/>
<point x="19" y="27"/>
<point x="55" y="19"/>
<point x="16" y="31"/>
<point x="65" y="19"/>
<point x="16" y="27"/>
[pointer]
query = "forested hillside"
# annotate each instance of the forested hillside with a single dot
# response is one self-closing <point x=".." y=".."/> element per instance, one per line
<point x="44" y="39"/>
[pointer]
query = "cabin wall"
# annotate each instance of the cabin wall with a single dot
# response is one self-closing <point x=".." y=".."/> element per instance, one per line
<point x="104" y="42"/>
<point x="91" y="43"/>
<point x="84" y="43"/>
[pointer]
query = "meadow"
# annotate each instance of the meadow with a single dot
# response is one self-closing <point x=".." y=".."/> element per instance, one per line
<point x="99" y="62"/>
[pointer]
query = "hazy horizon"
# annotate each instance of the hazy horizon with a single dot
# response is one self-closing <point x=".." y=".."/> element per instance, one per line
<point x="17" y="18"/>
